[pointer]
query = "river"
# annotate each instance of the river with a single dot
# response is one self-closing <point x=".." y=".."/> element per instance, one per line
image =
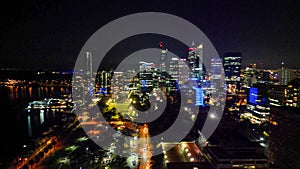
<point x="19" y="126"/>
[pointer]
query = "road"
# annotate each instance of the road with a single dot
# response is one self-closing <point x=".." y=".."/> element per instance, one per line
<point x="145" y="147"/>
<point x="39" y="150"/>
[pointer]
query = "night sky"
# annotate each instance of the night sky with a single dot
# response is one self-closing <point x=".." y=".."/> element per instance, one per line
<point x="49" y="34"/>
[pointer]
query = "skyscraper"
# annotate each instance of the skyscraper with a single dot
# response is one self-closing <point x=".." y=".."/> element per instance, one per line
<point x="103" y="82"/>
<point x="249" y="75"/>
<point x="163" y="59"/>
<point x="195" y="61"/>
<point x="89" y="64"/>
<point x="292" y="93"/>
<point x="216" y="72"/>
<point x="286" y="95"/>
<point x="174" y="68"/>
<point x="232" y="62"/>
<point x="285" y="75"/>
<point x="145" y="66"/>
<point x="258" y="105"/>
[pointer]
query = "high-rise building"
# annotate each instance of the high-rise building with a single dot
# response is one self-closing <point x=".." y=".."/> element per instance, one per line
<point x="145" y="66"/>
<point x="164" y="60"/>
<point x="248" y="75"/>
<point x="216" y="72"/>
<point x="103" y="82"/>
<point x="182" y="75"/>
<point x="195" y="60"/>
<point x="146" y="80"/>
<point x="258" y="105"/>
<point x="292" y="93"/>
<point x="285" y="95"/>
<point x="285" y="75"/>
<point x="174" y="68"/>
<point x="284" y="144"/>
<point x="232" y="62"/>
<point x="89" y="64"/>
<point x="277" y="95"/>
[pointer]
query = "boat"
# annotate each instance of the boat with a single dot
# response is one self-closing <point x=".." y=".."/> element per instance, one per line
<point x="50" y="103"/>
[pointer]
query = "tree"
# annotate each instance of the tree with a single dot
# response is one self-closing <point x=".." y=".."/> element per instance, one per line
<point x="31" y="162"/>
<point x="25" y="167"/>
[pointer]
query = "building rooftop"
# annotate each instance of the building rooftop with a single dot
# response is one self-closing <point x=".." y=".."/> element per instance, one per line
<point x="185" y="155"/>
<point x="183" y="165"/>
<point x="242" y="154"/>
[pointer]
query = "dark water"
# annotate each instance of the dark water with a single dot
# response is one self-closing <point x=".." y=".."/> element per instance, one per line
<point x="19" y="126"/>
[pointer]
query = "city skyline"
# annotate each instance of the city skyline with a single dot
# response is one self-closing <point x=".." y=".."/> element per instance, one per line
<point x="150" y="84"/>
<point x="50" y="35"/>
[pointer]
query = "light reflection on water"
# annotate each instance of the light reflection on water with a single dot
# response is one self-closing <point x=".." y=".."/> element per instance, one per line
<point x="24" y="125"/>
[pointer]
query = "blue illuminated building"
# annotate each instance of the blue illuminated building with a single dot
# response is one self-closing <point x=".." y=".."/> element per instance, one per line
<point x="199" y="101"/>
<point x="258" y="105"/>
<point x="253" y="92"/>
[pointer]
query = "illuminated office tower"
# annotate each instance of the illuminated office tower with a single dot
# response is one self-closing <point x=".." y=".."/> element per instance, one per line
<point x="285" y="75"/>
<point x="174" y="68"/>
<point x="277" y="95"/>
<point x="285" y="95"/>
<point x="163" y="58"/>
<point x="176" y="73"/>
<point x="258" y="105"/>
<point x="145" y="81"/>
<point x="178" y="70"/>
<point x="249" y="75"/>
<point x="145" y="66"/>
<point x="103" y="82"/>
<point x="146" y="75"/>
<point x="130" y="80"/>
<point x="195" y="61"/>
<point x="117" y="83"/>
<point x="89" y="64"/>
<point x="88" y="82"/>
<point x="216" y="72"/>
<point x="183" y="75"/>
<point x="292" y="93"/>
<point x="232" y="63"/>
